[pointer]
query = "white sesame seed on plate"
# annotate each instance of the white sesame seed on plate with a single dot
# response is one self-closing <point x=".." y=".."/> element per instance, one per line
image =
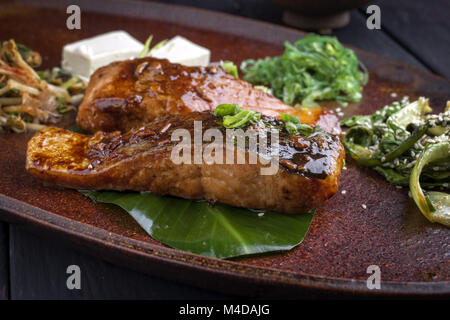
<point x="364" y="206"/>
<point x="344" y="191"/>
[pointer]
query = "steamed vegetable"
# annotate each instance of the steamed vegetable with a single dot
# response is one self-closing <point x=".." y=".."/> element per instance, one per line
<point x="434" y="205"/>
<point x="313" y="68"/>
<point x="409" y="147"/>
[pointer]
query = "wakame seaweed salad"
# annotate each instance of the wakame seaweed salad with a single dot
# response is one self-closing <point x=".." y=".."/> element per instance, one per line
<point x="313" y="68"/>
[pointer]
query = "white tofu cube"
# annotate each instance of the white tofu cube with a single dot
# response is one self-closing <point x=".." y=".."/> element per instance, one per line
<point x="181" y="50"/>
<point x="85" y="56"/>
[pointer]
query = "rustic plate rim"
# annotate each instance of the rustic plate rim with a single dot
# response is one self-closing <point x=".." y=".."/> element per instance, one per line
<point x="19" y="211"/>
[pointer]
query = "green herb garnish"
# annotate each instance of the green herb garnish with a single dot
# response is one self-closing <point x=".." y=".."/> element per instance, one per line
<point x="22" y="48"/>
<point x="66" y="85"/>
<point x="234" y="116"/>
<point x="230" y="67"/>
<point x="313" y="68"/>
<point x="226" y="110"/>
<point x="146" y="48"/>
<point x="294" y="126"/>
<point x="146" y="51"/>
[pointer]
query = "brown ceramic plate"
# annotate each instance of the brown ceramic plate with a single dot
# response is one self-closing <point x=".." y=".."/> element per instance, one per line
<point x="344" y="239"/>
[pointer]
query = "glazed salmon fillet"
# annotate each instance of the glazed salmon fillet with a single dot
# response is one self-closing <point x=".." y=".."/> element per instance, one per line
<point x="127" y="94"/>
<point x="307" y="167"/>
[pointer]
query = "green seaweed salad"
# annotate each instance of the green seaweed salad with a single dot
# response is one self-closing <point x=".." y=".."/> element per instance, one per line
<point x="313" y="68"/>
<point x="409" y="147"/>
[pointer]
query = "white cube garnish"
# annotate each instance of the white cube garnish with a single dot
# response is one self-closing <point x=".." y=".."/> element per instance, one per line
<point x="181" y="50"/>
<point x="85" y="56"/>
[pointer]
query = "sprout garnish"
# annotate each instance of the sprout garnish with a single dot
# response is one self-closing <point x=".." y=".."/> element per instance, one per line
<point x="29" y="99"/>
<point x="146" y="51"/>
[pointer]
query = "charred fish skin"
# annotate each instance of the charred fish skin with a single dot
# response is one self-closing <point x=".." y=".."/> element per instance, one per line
<point x="140" y="160"/>
<point x="130" y="93"/>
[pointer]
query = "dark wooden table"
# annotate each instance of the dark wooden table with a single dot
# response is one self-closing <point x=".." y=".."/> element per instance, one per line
<point x="33" y="267"/>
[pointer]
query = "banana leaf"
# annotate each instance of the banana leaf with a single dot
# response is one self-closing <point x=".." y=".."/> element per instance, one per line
<point x="218" y="231"/>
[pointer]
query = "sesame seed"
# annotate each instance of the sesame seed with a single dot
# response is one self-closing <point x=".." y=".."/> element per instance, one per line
<point x="364" y="206"/>
<point x="344" y="191"/>
<point x="393" y="95"/>
<point x="261" y="214"/>
<point x="344" y="168"/>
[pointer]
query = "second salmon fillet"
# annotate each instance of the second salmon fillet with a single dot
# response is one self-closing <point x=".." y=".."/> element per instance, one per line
<point x="127" y="94"/>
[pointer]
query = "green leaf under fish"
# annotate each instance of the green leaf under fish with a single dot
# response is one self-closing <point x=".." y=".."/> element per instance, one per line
<point x="218" y="231"/>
